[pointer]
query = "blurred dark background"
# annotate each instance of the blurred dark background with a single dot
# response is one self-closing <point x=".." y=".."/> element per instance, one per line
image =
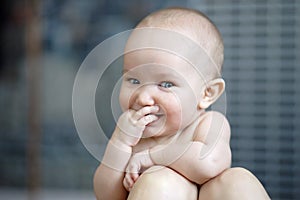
<point x="43" y="43"/>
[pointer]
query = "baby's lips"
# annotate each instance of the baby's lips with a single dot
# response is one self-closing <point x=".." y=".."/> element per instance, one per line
<point x="160" y="111"/>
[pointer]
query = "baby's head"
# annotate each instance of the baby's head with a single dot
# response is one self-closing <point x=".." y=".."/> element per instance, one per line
<point x="173" y="59"/>
<point x="187" y="33"/>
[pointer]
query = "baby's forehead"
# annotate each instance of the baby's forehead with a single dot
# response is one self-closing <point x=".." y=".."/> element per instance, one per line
<point x="162" y="41"/>
<point x="157" y="45"/>
<point x="152" y="57"/>
<point x="160" y="63"/>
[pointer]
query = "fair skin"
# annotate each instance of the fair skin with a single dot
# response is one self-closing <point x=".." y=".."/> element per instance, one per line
<point x="165" y="144"/>
<point x="167" y="91"/>
<point x="164" y="116"/>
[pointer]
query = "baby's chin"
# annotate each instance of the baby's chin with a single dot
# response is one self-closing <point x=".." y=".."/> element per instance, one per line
<point x="153" y="132"/>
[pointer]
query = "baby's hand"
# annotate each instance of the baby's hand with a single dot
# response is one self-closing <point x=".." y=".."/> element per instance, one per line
<point x="137" y="164"/>
<point x="131" y="124"/>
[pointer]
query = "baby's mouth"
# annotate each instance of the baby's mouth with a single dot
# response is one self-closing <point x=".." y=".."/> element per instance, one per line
<point x="159" y="117"/>
<point x="156" y="114"/>
<point x="159" y="114"/>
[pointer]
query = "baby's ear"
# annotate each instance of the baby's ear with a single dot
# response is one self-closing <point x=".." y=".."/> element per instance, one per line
<point x="211" y="92"/>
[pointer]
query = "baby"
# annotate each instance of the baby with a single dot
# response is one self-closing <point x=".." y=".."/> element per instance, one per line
<point x="166" y="145"/>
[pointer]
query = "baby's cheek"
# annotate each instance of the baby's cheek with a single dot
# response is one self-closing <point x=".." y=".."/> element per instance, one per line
<point x="124" y="101"/>
<point x="126" y="97"/>
<point x="174" y="115"/>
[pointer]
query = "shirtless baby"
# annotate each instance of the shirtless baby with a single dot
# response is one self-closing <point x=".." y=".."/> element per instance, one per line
<point x="166" y="145"/>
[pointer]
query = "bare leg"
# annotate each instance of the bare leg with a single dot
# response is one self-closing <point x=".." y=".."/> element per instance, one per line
<point x="163" y="183"/>
<point x="234" y="183"/>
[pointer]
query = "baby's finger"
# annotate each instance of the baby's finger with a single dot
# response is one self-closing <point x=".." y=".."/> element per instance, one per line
<point x="134" y="176"/>
<point x="145" y="111"/>
<point x="147" y="120"/>
<point x="128" y="182"/>
<point x="132" y="167"/>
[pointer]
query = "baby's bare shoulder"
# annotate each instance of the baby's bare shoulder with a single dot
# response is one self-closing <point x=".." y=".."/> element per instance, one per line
<point x="212" y="123"/>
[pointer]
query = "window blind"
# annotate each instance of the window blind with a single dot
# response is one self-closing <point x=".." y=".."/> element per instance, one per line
<point x="262" y="73"/>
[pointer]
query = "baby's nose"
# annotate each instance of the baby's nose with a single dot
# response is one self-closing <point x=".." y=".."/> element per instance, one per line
<point x="145" y="96"/>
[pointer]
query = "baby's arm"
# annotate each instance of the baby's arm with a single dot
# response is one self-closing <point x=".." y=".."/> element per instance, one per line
<point x="110" y="173"/>
<point x="108" y="179"/>
<point x="203" y="158"/>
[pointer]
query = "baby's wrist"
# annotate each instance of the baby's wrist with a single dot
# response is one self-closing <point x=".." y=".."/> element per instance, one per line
<point x="124" y="138"/>
<point x="116" y="155"/>
<point x="121" y="144"/>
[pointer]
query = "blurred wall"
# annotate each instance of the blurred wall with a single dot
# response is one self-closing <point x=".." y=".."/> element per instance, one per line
<point x="261" y="71"/>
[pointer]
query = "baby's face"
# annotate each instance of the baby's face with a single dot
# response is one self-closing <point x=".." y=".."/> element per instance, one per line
<point x="155" y="77"/>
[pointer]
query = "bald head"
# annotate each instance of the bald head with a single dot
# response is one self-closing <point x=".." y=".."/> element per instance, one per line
<point x="194" y="25"/>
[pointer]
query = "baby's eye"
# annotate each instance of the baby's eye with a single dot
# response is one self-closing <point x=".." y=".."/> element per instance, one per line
<point x="166" y="84"/>
<point x="133" y="81"/>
